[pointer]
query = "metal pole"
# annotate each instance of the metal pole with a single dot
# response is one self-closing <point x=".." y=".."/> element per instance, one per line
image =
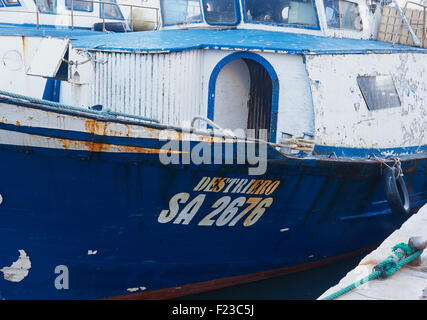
<point x="414" y="37"/>
<point x="103" y="18"/>
<point x="131" y="17"/>
<point x="37" y="13"/>
<point x="72" y="14"/>
<point x="424" y="28"/>
<point x="157" y="19"/>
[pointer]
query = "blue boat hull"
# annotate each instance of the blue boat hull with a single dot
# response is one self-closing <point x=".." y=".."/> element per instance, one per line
<point x="109" y="217"/>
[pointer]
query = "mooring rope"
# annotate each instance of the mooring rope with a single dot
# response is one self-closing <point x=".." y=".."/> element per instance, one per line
<point x="403" y="254"/>
<point x="73" y="108"/>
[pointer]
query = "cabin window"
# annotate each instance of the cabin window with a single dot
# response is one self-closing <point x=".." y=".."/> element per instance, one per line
<point x="11" y="3"/>
<point x="342" y="14"/>
<point x="47" y="6"/>
<point x="110" y="11"/>
<point x="181" y="11"/>
<point x="220" y="12"/>
<point x="379" y="92"/>
<point x="282" y="12"/>
<point x="79" y="5"/>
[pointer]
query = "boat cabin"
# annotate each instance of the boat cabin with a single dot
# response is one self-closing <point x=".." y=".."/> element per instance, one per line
<point x="330" y="17"/>
<point x="274" y="70"/>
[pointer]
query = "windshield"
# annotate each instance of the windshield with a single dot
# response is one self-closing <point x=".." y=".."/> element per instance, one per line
<point x="110" y="11"/>
<point x="342" y="14"/>
<point x="79" y="5"/>
<point x="220" y="11"/>
<point x="181" y="11"/>
<point x="47" y="5"/>
<point x="293" y="12"/>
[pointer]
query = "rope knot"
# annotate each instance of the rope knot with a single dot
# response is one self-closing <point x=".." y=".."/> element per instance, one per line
<point x="390" y="265"/>
<point x="386" y="267"/>
<point x="405" y="248"/>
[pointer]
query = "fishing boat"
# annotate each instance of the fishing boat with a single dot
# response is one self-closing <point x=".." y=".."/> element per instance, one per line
<point x="237" y="142"/>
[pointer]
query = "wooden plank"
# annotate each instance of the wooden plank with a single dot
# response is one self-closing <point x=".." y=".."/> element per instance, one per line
<point x="409" y="283"/>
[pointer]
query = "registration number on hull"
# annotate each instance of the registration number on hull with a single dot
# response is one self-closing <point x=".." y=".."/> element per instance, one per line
<point x="228" y="210"/>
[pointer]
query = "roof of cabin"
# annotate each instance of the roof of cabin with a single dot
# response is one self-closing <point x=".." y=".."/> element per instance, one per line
<point x="243" y="39"/>
<point x="239" y="39"/>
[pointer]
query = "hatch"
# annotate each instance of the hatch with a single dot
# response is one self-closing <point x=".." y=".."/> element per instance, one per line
<point x="48" y="59"/>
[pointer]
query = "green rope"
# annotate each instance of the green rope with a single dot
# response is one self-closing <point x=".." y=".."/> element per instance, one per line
<point x="73" y="108"/>
<point x="384" y="269"/>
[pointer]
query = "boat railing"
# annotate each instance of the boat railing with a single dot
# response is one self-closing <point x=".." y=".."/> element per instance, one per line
<point x="73" y="13"/>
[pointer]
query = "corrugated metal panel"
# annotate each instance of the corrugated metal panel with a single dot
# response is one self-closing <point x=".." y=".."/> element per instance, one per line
<point x="167" y="87"/>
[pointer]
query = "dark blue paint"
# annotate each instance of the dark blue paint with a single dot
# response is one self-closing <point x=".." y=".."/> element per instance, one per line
<point x="52" y="90"/>
<point x="271" y="72"/>
<point x="340" y="152"/>
<point x="18" y="4"/>
<point x="179" y="40"/>
<point x="58" y="204"/>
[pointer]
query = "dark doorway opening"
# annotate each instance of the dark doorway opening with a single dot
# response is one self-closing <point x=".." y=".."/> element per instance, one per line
<point x="260" y="101"/>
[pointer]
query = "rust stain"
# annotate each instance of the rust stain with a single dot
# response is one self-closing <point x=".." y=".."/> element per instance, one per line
<point x="104" y="147"/>
<point x="60" y="121"/>
<point x="24" y="43"/>
<point x="96" y="127"/>
<point x="370" y="262"/>
<point x="30" y="118"/>
<point x="414" y="167"/>
<point x="18" y="123"/>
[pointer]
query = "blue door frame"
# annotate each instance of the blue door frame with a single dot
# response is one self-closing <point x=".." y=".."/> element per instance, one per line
<point x="275" y="86"/>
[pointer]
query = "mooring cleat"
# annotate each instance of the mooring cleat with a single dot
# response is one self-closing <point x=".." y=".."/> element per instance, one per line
<point x="417" y="243"/>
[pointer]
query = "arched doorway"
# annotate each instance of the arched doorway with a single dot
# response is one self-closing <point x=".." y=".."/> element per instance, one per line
<point x="243" y="94"/>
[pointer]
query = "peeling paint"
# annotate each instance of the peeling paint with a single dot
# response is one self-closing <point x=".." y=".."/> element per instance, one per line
<point x="136" y="289"/>
<point x="19" y="269"/>
<point x="353" y="125"/>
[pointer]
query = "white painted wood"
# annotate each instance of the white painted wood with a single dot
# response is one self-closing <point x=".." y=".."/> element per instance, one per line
<point x="48" y="57"/>
<point x="232" y="95"/>
<point x="15" y="56"/>
<point x="32" y="117"/>
<point x="406" y="284"/>
<point x="295" y="112"/>
<point x="342" y="118"/>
